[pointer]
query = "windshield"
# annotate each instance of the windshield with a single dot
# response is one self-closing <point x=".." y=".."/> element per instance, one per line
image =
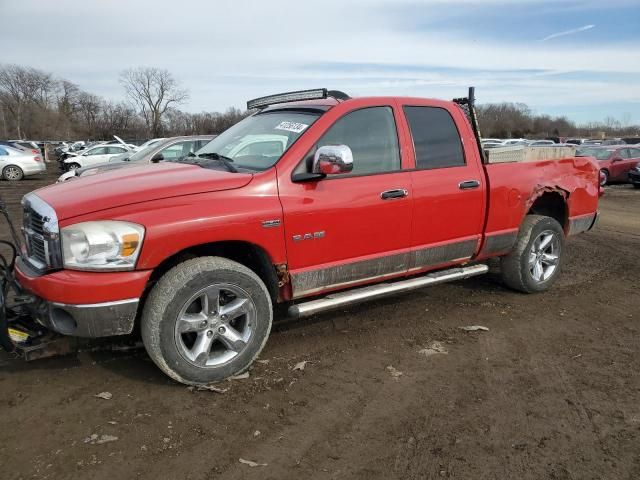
<point x="599" y="153"/>
<point x="139" y="155"/>
<point x="258" y="142"/>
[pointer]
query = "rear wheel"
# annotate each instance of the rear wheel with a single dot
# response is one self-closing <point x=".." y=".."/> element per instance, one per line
<point x="534" y="263"/>
<point x="12" y="173"/>
<point x="206" y="319"/>
<point x="604" y="177"/>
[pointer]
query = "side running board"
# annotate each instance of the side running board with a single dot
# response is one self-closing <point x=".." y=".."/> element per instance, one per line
<point x="342" y="299"/>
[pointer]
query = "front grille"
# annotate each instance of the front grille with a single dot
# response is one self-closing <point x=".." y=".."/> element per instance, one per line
<point x="40" y="228"/>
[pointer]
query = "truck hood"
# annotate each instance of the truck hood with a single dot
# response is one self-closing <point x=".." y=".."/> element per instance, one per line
<point x="126" y="186"/>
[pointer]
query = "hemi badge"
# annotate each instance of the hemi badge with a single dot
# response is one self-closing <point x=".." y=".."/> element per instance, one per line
<point x="271" y="223"/>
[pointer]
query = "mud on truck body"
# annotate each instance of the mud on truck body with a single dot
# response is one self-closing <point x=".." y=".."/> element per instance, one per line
<point x="352" y="199"/>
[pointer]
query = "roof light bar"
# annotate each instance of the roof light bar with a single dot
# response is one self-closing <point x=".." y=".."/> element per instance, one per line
<point x="315" y="94"/>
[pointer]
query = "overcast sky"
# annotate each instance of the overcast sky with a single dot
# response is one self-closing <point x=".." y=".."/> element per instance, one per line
<point x="563" y="57"/>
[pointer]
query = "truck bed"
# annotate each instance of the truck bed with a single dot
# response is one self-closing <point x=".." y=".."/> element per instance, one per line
<point x="520" y="153"/>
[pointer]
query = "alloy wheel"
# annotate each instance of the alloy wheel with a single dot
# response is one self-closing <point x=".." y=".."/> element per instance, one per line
<point x="544" y="256"/>
<point x="215" y="325"/>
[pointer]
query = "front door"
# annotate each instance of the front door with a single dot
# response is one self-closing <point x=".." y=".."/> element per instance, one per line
<point x="350" y="228"/>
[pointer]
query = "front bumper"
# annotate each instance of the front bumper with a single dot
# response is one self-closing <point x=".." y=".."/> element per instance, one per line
<point x="84" y="304"/>
<point x="91" y="320"/>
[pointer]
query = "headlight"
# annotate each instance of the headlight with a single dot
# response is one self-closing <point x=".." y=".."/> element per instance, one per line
<point x="103" y="245"/>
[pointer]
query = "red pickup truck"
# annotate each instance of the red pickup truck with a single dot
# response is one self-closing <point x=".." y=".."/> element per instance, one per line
<point x="329" y="201"/>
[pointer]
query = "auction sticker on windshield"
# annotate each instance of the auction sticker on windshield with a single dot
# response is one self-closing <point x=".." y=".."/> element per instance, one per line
<point x="292" y="127"/>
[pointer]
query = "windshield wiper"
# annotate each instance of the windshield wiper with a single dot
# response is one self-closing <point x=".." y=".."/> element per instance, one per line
<point x="226" y="161"/>
<point x="214" y="155"/>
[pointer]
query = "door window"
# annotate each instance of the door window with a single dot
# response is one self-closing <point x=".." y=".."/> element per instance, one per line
<point x="3" y="151"/>
<point x="116" y="150"/>
<point x="371" y="135"/>
<point x="177" y="150"/>
<point x="436" y="140"/>
<point x="97" y="151"/>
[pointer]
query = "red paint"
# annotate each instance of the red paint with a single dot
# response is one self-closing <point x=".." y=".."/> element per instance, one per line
<point x="182" y="206"/>
<point x="618" y="165"/>
<point x="72" y="287"/>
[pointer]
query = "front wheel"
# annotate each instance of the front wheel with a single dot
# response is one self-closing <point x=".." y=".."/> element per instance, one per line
<point x="534" y="263"/>
<point x="73" y="166"/>
<point x="206" y="319"/>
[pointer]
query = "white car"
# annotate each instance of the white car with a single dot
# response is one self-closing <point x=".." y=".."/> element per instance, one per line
<point x="514" y="142"/>
<point x="16" y="164"/>
<point x="542" y="143"/>
<point x="94" y="156"/>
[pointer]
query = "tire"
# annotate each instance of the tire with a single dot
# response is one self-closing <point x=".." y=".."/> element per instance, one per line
<point x="519" y="270"/>
<point x="185" y="300"/>
<point x="605" y="178"/>
<point x="12" y="173"/>
<point x="72" y="166"/>
<point x="636" y="185"/>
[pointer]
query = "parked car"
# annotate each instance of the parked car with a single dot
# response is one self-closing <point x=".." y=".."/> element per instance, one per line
<point x="199" y="250"/>
<point x="591" y="143"/>
<point x="12" y="144"/>
<point x="488" y="144"/>
<point x="31" y="146"/>
<point x="166" y="149"/>
<point x="634" y="176"/>
<point x="16" y="164"/>
<point x="614" y="162"/>
<point x="148" y="143"/>
<point x="613" y="141"/>
<point x="575" y="141"/>
<point x="542" y="143"/>
<point x="93" y="156"/>
<point x="512" y="142"/>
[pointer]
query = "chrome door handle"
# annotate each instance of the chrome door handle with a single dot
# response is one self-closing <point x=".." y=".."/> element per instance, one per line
<point x="469" y="184"/>
<point x="396" y="193"/>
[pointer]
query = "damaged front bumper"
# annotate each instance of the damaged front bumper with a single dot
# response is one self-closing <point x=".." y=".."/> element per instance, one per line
<point x="90" y="320"/>
<point x="83" y="304"/>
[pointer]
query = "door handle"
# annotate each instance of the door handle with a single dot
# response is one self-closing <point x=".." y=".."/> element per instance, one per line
<point x="396" y="193"/>
<point x="469" y="184"/>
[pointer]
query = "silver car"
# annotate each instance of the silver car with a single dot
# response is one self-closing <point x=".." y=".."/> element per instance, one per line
<point x="167" y="149"/>
<point x="16" y="164"/>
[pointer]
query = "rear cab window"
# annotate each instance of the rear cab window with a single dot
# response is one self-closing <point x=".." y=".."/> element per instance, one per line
<point x="436" y="140"/>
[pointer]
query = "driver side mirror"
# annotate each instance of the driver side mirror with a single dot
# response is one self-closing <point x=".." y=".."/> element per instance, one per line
<point x="158" y="157"/>
<point x="333" y="160"/>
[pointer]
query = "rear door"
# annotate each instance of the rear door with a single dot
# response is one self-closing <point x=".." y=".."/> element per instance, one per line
<point x="113" y="151"/>
<point x="448" y="187"/>
<point x="344" y="229"/>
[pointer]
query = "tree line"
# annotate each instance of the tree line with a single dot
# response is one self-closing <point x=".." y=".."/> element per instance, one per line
<point x="37" y="105"/>
<point x="516" y="120"/>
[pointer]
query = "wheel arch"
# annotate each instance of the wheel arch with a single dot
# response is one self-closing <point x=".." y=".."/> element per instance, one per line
<point x="248" y="254"/>
<point x="551" y="203"/>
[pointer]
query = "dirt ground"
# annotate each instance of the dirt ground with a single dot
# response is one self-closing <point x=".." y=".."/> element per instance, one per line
<point x="551" y="391"/>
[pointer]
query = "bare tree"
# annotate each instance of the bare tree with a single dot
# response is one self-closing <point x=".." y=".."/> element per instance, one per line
<point x="22" y="86"/>
<point x="154" y="91"/>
